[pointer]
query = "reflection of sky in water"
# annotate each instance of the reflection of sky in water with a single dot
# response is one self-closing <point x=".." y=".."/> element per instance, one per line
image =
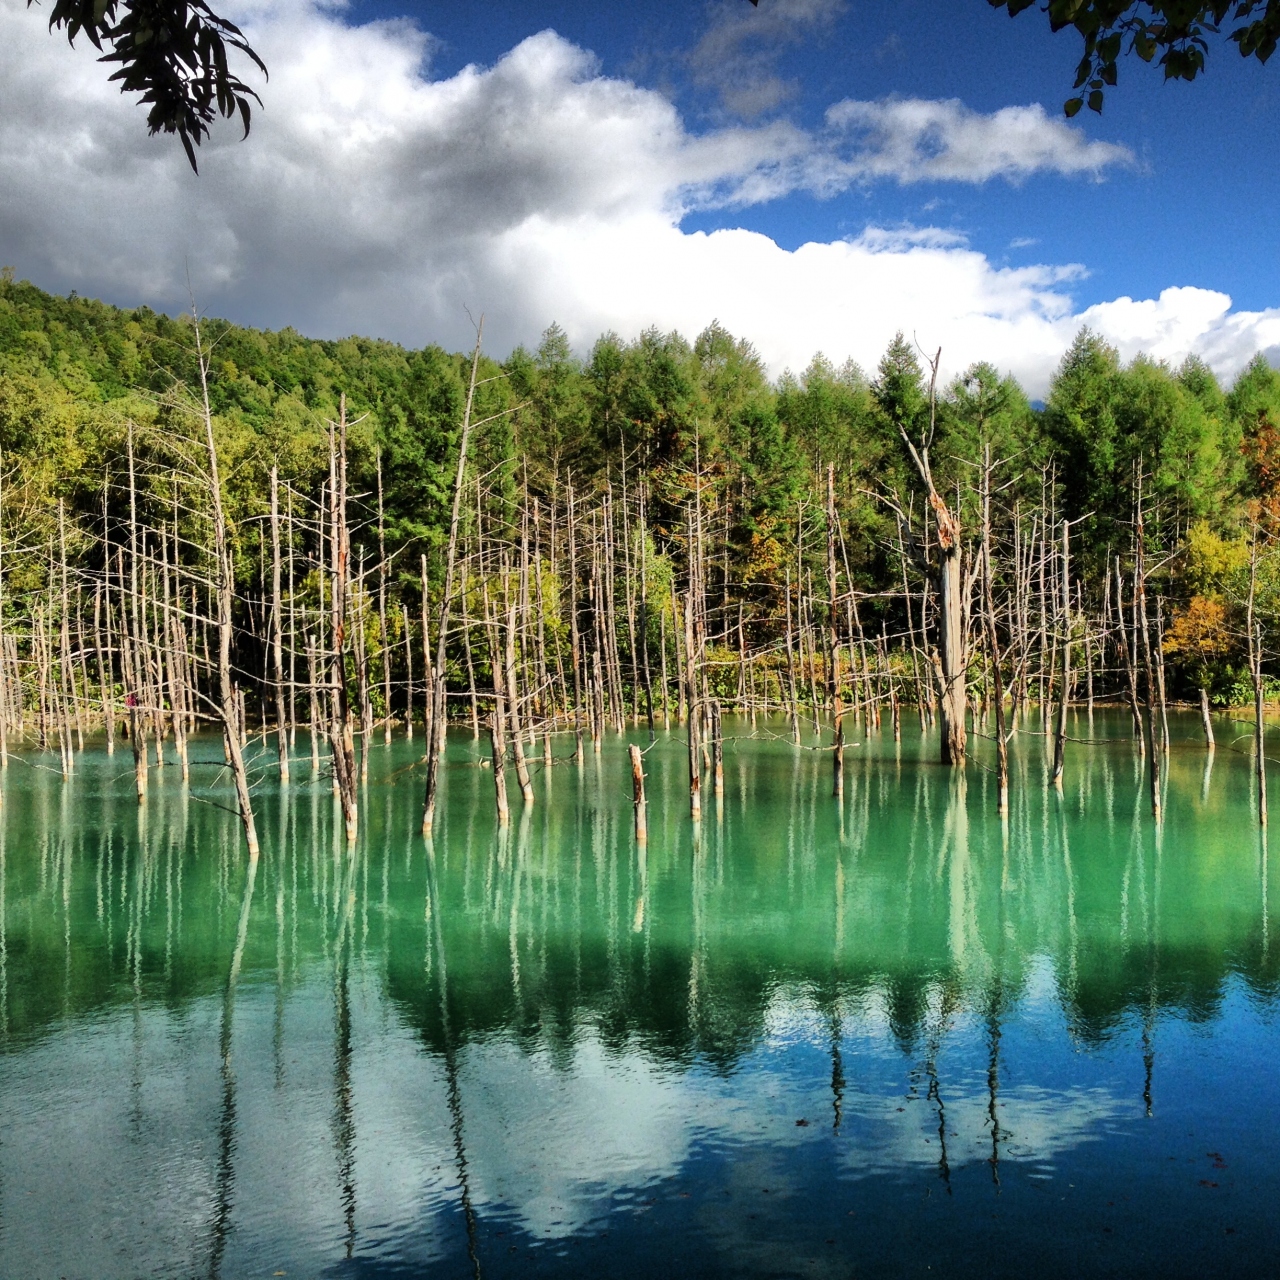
<point x="130" y="1104"/>
<point x="873" y="1033"/>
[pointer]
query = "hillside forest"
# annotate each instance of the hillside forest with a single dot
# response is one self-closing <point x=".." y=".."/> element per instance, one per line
<point x="307" y="543"/>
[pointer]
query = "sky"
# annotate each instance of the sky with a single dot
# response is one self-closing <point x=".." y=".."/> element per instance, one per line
<point x="814" y="174"/>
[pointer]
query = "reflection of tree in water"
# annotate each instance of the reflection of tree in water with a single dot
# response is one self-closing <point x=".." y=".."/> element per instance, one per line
<point x="224" y="1182"/>
<point x="908" y="885"/>
<point x="344" y="1127"/>
<point x="453" y="1088"/>
<point x="994" y="1011"/>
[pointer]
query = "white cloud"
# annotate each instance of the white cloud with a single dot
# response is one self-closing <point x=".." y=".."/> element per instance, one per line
<point x="1187" y="319"/>
<point x="916" y="140"/>
<point x="371" y="198"/>
<point x="738" y="52"/>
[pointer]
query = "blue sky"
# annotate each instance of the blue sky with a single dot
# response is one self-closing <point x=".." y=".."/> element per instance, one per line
<point x="1198" y="205"/>
<point x="664" y="164"/>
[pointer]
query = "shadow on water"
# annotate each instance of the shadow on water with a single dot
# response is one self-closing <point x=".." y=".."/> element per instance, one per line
<point x="885" y="1029"/>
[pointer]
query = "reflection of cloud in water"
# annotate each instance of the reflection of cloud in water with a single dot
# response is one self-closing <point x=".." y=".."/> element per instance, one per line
<point x="556" y="1150"/>
<point x="552" y="1145"/>
<point x="1035" y="1125"/>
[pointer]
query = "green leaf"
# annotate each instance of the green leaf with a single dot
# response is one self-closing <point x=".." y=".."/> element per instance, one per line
<point x="1072" y="107"/>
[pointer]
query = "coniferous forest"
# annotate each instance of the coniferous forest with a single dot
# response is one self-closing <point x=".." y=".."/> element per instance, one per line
<point x="204" y="526"/>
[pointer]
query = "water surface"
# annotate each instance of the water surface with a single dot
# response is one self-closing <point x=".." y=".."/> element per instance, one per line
<point x="884" y="1036"/>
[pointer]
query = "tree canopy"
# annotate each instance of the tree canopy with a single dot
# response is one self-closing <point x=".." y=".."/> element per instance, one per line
<point x="677" y="417"/>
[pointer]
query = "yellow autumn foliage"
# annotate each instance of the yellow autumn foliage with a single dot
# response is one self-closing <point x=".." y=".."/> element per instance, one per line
<point x="1199" y="631"/>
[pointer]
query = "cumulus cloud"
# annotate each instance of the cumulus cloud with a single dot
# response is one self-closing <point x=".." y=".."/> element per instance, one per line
<point x="373" y="198"/>
<point x="918" y="140"/>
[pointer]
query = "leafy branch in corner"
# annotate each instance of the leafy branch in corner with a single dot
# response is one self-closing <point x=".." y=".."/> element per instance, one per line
<point x="172" y="52"/>
<point x="1174" y="34"/>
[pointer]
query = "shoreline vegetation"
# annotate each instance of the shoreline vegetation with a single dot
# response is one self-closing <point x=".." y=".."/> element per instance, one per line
<point x="207" y="526"/>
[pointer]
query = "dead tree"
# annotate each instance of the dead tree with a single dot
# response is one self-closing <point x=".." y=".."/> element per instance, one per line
<point x="341" y="743"/>
<point x="1255" y="673"/>
<point x="1064" y="615"/>
<point x="993" y="643"/>
<point x="224" y="594"/>
<point x="436" y="688"/>
<point x="944" y="562"/>
<point x="277" y="629"/>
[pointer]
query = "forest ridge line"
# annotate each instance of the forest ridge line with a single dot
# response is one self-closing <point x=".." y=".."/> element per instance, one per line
<point x="650" y="530"/>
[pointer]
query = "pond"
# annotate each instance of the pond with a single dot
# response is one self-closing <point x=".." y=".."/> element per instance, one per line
<point x="883" y="1035"/>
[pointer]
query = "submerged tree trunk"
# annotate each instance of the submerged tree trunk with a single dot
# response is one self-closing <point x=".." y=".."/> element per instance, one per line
<point x="1148" y="672"/>
<point x="993" y="644"/>
<point x="277" y="628"/>
<point x="341" y="746"/>
<point x="952" y="660"/>
<point x="435" y="738"/>
<point x="951" y="644"/>
<point x="1259" y="692"/>
<point x="1064" y="694"/>
<point x="1205" y="720"/>
<point x="224" y="591"/>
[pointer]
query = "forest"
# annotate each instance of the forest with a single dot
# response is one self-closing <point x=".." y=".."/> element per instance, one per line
<point x="310" y="543"/>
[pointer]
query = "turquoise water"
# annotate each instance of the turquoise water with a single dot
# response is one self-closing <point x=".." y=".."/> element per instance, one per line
<point x="889" y="1036"/>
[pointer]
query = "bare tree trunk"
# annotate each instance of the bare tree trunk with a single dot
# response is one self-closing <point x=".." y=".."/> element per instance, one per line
<point x="1140" y="602"/>
<point x="666" y="684"/>
<point x="108" y="714"/>
<point x="952" y="640"/>
<point x="408" y="677"/>
<point x="364" y="695"/>
<point x="1259" y="696"/>
<point x="313" y="708"/>
<point x="293" y="628"/>
<point x="993" y="643"/>
<point x="637" y="786"/>
<point x="833" y="635"/>
<point x="4" y="679"/>
<point x="277" y="628"/>
<point x="341" y="746"/>
<point x="435" y="739"/>
<point x="1205" y="720"/>
<point x="64" y="635"/>
<point x="717" y="750"/>
<point x="951" y="645"/>
<point x="496" y="740"/>
<point x="497" y="725"/>
<point x="1060" y="737"/>
<point x="574" y="640"/>
<point x="1088" y="656"/>
<point x="382" y="615"/>
<point x="137" y="730"/>
<point x="224" y="591"/>
<point x="428" y="671"/>
<point x="695" y="777"/>
<point x="1164" y="703"/>
<point x="1131" y="678"/>
<point x="793" y="698"/>
<point x="173" y="624"/>
<point x="513" y="706"/>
